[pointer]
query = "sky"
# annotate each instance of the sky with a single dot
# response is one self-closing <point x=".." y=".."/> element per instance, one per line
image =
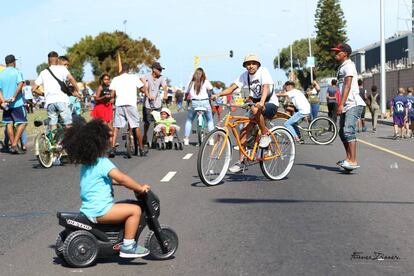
<point x="182" y="29"/>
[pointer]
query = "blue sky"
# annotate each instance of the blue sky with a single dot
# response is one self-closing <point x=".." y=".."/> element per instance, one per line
<point x="182" y="29"/>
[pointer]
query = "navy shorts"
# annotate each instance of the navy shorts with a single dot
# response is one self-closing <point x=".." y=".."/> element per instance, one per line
<point x="270" y="110"/>
<point x="16" y="115"/>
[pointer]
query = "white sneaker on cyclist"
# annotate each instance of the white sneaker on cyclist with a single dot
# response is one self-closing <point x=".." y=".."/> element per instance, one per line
<point x="186" y="141"/>
<point x="237" y="167"/>
<point x="264" y="141"/>
<point x="211" y="142"/>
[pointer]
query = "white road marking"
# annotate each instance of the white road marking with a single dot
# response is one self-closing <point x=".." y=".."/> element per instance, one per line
<point x="188" y="156"/>
<point x="168" y="176"/>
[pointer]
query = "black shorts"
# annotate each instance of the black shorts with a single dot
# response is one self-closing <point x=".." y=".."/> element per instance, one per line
<point x="15" y="115"/>
<point x="146" y="114"/>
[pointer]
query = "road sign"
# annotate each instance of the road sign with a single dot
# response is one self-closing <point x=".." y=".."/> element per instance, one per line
<point x="310" y="62"/>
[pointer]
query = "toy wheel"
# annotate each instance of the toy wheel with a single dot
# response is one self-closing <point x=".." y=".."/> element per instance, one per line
<point x="45" y="155"/>
<point x="80" y="249"/>
<point x="59" y="244"/>
<point x="175" y="145"/>
<point x="171" y="243"/>
<point x="158" y="145"/>
<point x="180" y="146"/>
<point x="163" y="146"/>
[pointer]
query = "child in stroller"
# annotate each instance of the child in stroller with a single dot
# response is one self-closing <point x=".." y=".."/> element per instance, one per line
<point x="166" y="130"/>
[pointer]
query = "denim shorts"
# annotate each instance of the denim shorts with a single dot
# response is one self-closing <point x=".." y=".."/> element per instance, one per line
<point x="56" y="110"/>
<point x="124" y="114"/>
<point x="347" y="123"/>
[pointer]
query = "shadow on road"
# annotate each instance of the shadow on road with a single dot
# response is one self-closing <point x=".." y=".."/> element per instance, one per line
<point x="326" y="168"/>
<point x="236" y="177"/>
<point x="277" y="201"/>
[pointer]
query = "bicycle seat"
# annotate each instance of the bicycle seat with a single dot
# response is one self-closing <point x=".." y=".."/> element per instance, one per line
<point x="200" y="109"/>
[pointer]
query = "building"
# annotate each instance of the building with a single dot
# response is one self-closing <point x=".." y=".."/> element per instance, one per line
<point x="399" y="51"/>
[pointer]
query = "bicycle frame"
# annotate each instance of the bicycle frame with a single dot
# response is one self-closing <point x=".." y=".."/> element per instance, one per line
<point x="232" y="122"/>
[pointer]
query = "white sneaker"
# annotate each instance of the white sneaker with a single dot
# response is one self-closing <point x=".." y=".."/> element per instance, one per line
<point x="237" y="167"/>
<point x="211" y="142"/>
<point x="186" y="141"/>
<point x="264" y="141"/>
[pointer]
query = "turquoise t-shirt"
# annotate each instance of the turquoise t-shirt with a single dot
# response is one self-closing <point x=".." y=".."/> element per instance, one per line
<point x="96" y="188"/>
<point x="9" y="79"/>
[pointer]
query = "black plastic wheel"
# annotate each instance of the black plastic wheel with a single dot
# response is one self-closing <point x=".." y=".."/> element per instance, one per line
<point x="180" y="146"/>
<point x="59" y="244"/>
<point x="163" y="146"/>
<point x="80" y="249"/>
<point x="175" y="145"/>
<point x="171" y="242"/>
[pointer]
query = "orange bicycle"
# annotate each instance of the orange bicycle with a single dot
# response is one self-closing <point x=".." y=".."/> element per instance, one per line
<point x="215" y="153"/>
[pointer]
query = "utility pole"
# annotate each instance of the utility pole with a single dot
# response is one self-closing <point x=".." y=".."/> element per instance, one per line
<point x="310" y="55"/>
<point x="291" y="63"/>
<point x="383" y="69"/>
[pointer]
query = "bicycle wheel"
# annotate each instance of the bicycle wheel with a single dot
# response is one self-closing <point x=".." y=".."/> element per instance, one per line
<point x="284" y="147"/>
<point x="45" y="154"/>
<point x="322" y="131"/>
<point x="214" y="158"/>
<point x="128" y="144"/>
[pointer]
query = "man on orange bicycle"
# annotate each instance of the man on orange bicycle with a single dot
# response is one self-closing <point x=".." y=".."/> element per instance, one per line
<point x="260" y="84"/>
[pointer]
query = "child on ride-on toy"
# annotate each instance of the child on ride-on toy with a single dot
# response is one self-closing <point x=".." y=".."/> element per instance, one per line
<point x="86" y="144"/>
<point x="165" y="124"/>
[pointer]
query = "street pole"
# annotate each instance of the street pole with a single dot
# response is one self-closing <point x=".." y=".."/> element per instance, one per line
<point x="310" y="54"/>
<point x="291" y="63"/>
<point x="383" y="69"/>
<point x="278" y="58"/>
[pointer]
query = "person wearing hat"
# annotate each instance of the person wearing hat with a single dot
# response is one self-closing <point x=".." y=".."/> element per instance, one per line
<point x="260" y="84"/>
<point x="152" y="98"/>
<point x="166" y="125"/>
<point x="11" y="97"/>
<point x="350" y="106"/>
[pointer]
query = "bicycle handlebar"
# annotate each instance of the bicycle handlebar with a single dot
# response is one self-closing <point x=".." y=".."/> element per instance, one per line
<point x="244" y="106"/>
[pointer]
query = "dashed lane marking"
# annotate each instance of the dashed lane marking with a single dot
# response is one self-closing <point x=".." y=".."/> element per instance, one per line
<point x="188" y="156"/>
<point x="387" y="150"/>
<point x="168" y="176"/>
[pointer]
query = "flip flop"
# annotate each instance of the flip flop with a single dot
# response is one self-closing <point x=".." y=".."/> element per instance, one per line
<point x="348" y="166"/>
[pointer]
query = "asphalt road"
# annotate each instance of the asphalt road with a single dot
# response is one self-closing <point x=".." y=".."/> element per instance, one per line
<point x="317" y="221"/>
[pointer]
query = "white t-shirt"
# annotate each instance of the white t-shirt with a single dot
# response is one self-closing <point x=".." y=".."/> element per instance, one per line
<point x="125" y="87"/>
<point x="203" y="95"/>
<point x="51" y="87"/>
<point x="261" y="77"/>
<point x="299" y="101"/>
<point x="347" y="69"/>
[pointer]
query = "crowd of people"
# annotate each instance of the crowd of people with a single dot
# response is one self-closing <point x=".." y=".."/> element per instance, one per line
<point x="92" y="143"/>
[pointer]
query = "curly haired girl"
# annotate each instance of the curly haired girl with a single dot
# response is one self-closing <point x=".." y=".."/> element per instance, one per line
<point x="86" y="144"/>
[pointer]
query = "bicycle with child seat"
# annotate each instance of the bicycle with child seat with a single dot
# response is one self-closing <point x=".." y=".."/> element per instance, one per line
<point x="48" y="147"/>
<point x="214" y="158"/>
<point x="321" y="130"/>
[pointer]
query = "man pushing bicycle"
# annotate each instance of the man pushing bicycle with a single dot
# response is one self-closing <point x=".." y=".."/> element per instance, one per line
<point x="260" y="84"/>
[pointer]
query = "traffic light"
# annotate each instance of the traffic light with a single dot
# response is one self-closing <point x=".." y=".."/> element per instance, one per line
<point x="231" y="53"/>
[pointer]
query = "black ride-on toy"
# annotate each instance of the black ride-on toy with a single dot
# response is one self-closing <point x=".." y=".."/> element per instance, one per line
<point x="82" y="241"/>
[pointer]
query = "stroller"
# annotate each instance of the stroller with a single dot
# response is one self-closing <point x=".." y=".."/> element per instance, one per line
<point x="165" y="134"/>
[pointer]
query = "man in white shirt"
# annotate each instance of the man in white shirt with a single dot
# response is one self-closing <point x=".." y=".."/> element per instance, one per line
<point x="260" y="84"/>
<point x="57" y="102"/>
<point x="351" y="105"/>
<point x="124" y="90"/>
<point x="301" y="104"/>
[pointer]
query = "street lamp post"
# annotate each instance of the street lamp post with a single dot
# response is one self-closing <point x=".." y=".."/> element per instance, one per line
<point x="383" y="69"/>
<point x="291" y="63"/>
<point x="310" y="55"/>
